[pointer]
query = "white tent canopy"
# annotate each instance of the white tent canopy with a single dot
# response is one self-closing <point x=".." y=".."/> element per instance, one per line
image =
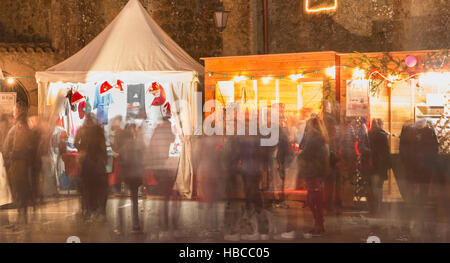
<point x="133" y="48"/>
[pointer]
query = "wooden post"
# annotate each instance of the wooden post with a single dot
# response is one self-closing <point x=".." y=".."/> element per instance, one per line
<point x="390" y="133"/>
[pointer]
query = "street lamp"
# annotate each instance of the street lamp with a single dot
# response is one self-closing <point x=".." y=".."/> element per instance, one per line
<point x="221" y="17"/>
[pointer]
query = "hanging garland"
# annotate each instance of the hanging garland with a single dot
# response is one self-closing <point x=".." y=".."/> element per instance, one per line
<point x="436" y="61"/>
<point x="387" y="68"/>
<point x="328" y="93"/>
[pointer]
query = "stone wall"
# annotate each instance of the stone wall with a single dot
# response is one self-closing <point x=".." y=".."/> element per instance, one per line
<point x="70" y="25"/>
<point x="362" y="25"/>
<point x="369" y="25"/>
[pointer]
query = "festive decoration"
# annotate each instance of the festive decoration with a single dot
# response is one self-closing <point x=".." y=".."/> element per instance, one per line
<point x="119" y="85"/>
<point x="387" y="69"/>
<point x="105" y="88"/>
<point x="436" y="61"/>
<point x="76" y="98"/>
<point x="158" y="91"/>
<point x="411" y="61"/>
<point x="166" y="110"/>
<point x="83" y="108"/>
<point x="442" y="126"/>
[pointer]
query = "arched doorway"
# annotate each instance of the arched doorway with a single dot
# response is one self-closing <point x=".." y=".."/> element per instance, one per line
<point x="17" y="87"/>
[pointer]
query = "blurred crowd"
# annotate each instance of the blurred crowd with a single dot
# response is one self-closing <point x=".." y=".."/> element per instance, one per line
<point x="236" y="170"/>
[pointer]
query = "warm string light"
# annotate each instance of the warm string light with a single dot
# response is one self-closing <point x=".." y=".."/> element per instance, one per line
<point x="315" y="10"/>
<point x="390" y="78"/>
<point x="330" y="72"/>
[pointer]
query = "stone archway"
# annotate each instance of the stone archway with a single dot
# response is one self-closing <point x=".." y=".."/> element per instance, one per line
<point x="18" y="87"/>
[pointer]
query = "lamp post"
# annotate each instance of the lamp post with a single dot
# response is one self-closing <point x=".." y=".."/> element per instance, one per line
<point x="221" y="17"/>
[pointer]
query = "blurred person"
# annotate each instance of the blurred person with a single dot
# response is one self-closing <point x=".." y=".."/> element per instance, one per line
<point x="315" y="167"/>
<point x="364" y="152"/>
<point x="37" y="148"/>
<point x="130" y="147"/>
<point x="249" y="152"/>
<point x="381" y="162"/>
<point x="210" y="183"/>
<point x="113" y="130"/>
<point x="91" y="144"/>
<point x="347" y="154"/>
<point x="233" y="185"/>
<point x="407" y="151"/>
<point x="282" y="159"/>
<point x="18" y="158"/>
<point x="4" y="128"/>
<point x="333" y="182"/>
<point x="164" y="171"/>
<point x="426" y="163"/>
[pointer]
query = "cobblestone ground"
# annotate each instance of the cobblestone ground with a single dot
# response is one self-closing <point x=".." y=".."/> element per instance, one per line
<point x="56" y="220"/>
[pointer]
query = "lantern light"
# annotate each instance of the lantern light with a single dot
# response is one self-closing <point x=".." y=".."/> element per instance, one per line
<point x="221" y="17"/>
<point x="10" y="80"/>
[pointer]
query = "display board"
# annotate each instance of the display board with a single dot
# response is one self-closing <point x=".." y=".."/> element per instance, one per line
<point x="7" y="102"/>
<point x="357" y="98"/>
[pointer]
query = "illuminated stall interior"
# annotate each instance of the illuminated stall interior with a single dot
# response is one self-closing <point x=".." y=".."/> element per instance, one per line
<point x="298" y="83"/>
<point x="398" y="87"/>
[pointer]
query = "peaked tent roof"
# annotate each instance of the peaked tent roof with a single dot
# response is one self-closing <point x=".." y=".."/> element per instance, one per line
<point x="134" y="43"/>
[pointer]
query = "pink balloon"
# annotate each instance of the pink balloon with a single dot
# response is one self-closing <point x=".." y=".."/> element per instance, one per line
<point x="411" y="61"/>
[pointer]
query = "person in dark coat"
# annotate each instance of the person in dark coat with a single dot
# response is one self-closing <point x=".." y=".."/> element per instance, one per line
<point x="314" y="162"/>
<point x="380" y="158"/>
<point x="91" y="144"/>
<point x="407" y="151"/>
<point x="130" y="147"/>
<point x="427" y="149"/>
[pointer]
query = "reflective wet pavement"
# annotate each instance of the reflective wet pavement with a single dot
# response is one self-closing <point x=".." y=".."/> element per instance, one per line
<point x="57" y="220"/>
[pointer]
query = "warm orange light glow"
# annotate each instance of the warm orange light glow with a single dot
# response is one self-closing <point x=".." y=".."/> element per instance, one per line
<point x="266" y="80"/>
<point x="239" y="78"/>
<point x="295" y="77"/>
<point x="331" y="72"/>
<point x="358" y="73"/>
<point x="314" y="10"/>
<point x="10" y="80"/>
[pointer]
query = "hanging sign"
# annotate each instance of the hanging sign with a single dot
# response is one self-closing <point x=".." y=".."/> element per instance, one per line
<point x="7" y="102"/>
<point x="357" y="98"/>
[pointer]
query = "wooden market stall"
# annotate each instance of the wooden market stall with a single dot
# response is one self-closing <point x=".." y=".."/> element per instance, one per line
<point x="402" y="87"/>
<point x="296" y="81"/>
<point x="398" y="87"/>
